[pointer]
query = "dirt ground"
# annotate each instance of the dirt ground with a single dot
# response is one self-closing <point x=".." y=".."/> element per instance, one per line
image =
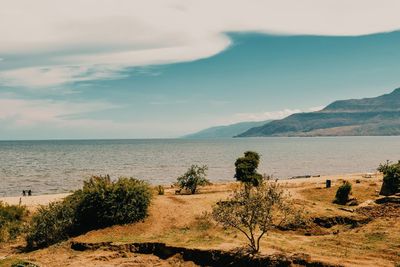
<point x="183" y="220"/>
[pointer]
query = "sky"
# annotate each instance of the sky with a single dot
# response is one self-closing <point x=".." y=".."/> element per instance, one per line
<point x="161" y="69"/>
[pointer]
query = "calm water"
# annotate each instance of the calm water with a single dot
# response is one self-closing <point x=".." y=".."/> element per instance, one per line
<point x="59" y="166"/>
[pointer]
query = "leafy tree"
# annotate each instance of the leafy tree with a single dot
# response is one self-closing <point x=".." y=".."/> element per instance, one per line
<point x="246" y="169"/>
<point x="343" y="193"/>
<point x="195" y="176"/>
<point x="254" y="213"/>
<point x="391" y="178"/>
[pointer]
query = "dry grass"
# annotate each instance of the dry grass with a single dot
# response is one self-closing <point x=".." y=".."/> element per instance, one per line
<point x="182" y="220"/>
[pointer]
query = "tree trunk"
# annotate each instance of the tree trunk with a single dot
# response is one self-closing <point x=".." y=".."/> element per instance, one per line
<point x="193" y="190"/>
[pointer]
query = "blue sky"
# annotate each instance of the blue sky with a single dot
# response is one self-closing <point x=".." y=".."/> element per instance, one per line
<point x="170" y="86"/>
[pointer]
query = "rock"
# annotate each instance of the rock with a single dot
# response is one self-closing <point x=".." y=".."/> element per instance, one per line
<point x="346" y="209"/>
<point x="366" y="203"/>
<point x="352" y="202"/>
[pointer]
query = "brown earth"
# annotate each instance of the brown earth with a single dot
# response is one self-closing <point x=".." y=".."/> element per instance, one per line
<point x="364" y="235"/>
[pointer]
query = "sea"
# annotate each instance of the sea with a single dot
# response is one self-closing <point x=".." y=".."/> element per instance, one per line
<point x="58" y="166"/>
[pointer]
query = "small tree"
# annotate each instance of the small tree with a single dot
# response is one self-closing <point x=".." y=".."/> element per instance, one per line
<point x="343" y="193"/>
<point x="391" y="178"/>
<point x="195" y="176"/>
<point x="246" y="170"/>
<point x="255" y="212"/>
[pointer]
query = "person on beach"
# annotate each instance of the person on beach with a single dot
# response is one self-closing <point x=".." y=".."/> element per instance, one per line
<point x="29" y="192"/>
<point x="23" y="193"/>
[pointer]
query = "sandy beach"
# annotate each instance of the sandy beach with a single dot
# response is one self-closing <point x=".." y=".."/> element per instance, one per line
<point x="33" y="201"/>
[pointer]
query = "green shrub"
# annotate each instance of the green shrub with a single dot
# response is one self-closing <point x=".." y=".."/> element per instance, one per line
<point x="391" y="178"/>
<point x="12" y="221"/>
<point x="343" y="193"/>
<point x="100" y="203"/>
<point x="104" y="203"/>
<point x="23" y="263"/>
<point x="52" y="223"/>
<point x="195" y="176"/>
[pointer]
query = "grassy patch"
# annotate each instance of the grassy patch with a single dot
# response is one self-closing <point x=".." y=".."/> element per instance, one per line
<point x="375" y="236"/>
<point x="16" y="262"/>
<point x="12" y="221"/>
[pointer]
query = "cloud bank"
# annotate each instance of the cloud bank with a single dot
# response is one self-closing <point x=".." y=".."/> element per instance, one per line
<point x="46" y="43"/>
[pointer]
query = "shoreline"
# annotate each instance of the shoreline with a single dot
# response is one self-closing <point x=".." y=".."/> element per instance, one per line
<point x="44" y="199"/>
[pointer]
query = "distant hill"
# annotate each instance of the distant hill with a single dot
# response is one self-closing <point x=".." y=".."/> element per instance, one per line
<point x="355" y="117"/>
<point x="226" y="131"/>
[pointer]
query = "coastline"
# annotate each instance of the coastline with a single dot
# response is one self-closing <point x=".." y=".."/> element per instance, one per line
<point x="33" y="201"/>
<point x="44" y="199"/>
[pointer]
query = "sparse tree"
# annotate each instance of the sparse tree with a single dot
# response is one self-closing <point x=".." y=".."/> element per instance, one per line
<point x="255" y="212"/>
<point x="195" y="176"/>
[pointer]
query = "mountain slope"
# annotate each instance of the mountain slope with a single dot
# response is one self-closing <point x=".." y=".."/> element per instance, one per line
<point x="226" y="131"/>
<point x="369" y="116"/>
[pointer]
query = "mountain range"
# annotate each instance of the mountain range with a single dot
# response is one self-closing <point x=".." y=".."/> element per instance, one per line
<point x="355" y="117"/>
<point x="226" y="131"/>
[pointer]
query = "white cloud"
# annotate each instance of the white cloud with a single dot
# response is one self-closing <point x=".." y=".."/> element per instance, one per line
<point x="107" y="36"/>
<point x="49" y="119"/>
<point x="271" y="115"/>
<point x="55" y="75"/>
<point x="268" y="115"/>
<point x="24" y="112"/>
<point x="317" y="108"/>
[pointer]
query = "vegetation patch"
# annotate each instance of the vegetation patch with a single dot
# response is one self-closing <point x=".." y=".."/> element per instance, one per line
<point x="376" y="236"/>
<point x="343" y="193"/>
<point x="391" y="178"/>
<point x="100" y="203"/>
<point x="12" y="221"/>
<point x="328" y="222"/>
<point x="15" y="262"/>
<point x="194" y="177"/>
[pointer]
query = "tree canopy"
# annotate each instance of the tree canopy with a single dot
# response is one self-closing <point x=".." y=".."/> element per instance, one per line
<point x="195" y="176"/>
<point x="257" y="211"/>
<point x="391" y="178"/>
<point x="246" y="169"/>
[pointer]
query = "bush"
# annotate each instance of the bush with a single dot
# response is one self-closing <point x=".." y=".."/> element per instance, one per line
<point x="12" y="221"/>
<point x="343" y="193"/>
<point x="391" y="178"/>
<point x="246" y="169"/>
<point x="100" y="203"/>
<point x="195" y="176"/>
<point x="104" y="203"/>
<point x="51" y="224"/>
